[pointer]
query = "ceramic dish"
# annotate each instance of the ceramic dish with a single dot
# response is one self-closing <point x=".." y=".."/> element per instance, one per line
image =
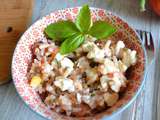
<point x="22" y="58"/>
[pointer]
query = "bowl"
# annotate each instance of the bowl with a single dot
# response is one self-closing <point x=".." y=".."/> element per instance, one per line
<point x="22" y="60"/>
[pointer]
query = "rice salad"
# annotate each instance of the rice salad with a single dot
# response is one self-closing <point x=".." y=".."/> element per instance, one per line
<point x="83" y="82"/>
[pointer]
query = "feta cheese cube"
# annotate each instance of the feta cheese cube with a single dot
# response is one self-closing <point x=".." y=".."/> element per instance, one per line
<point x="64" y="84"/>
<point x="115" y="85"/>
<point x="92" y="75"/>
<point x="96" y="54"/>
<point x="47" y="68"/>
<point x="86" y="99"/>
<point x="119" y="45"/>
<point x="119" y="64"/>
<point x="122" y="67"/>
<point x="78" y="96"/>
<point x="117" y="82"/>
<point x="88" y="46"/>
<point x="107" y="45"/>
<point x="49" y="88"/>
<point x="59" y="57"/>
<point x="129" y="57"/>
<point x="64" y="99"/>
<point x="133" y="57"/>
<point x="93" y="51"/>
<point x="107" y="49"/>
<point x="83" y="63"/>
<point x="104" y="82"/>
<point x="67" y="64"/>
<point x="108" y="67"/>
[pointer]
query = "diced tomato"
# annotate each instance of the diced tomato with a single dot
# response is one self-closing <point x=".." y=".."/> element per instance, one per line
<point x="110" y="75"/>
<point x="55" y="51"/>
<point x="42" y="61"/>
<point x="45" y="50"/>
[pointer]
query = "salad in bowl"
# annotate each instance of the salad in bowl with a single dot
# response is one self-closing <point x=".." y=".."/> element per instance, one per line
<point x="78" y="63"/>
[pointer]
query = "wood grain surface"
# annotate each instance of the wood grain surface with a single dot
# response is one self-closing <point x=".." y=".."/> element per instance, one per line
<point x="147" y="104"/>
<point x="14" y="17"/>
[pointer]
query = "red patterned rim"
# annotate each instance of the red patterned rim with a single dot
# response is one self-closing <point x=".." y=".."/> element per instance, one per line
<point x="22" y="58"/>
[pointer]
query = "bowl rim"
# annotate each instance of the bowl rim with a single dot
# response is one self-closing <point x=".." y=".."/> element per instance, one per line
<point x="123" y="107"/>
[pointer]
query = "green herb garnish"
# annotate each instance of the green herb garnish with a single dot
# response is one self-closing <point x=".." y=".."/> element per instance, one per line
<point x="93" y="94"/>
<point x="101" y="29"/>
<point x="71" y="43"/>
<point x="142" y="5"/>
<point x="61" y="30"/>
<point x="84" y="21"/>
<point x="73" y="34"/>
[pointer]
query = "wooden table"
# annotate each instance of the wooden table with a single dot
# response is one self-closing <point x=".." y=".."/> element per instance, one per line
<point x="146" y="106"/>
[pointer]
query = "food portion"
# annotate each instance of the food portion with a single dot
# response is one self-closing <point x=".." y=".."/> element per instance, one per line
<point x="89" y="78"/>
<point x="80" y="72"/>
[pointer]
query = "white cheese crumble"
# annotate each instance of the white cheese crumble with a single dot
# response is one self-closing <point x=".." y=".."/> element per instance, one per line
<point x="48" y="68"/>
<point x="78" y="85"/>
<point x="122" y="67"/>
<point x="65" y="100"/>
<point x="107" y="49"/>
<point x="117" y="82"/>
<point x="96" y="54"/>
<point x="119" y="46"/>
<point x="88" y="46"/>
<point x="59" y="57"/>
<point x="83" y="63"/>
<point x="66" y="64"/>
<point x="86" y="99"/>
<point x="91" y="75"/>
<point x="49" y="88"/>
<point x="78" y="96"/>
<point x="93" y="51"/>
<point x="108" y="67"/>
<point x="64" y="84"/>
<point x="129" y="57"/>
<point x="104" y="82"/>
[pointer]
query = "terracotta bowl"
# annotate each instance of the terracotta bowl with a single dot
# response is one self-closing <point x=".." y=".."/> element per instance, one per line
<point x="22" y="59"/>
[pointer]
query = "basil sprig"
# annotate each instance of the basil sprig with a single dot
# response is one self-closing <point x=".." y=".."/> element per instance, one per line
<point x="73" y="35"/>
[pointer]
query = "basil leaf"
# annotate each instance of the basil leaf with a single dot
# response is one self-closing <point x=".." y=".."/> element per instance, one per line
<point x="101" y="29"/>
<point x="71" y="43"/>
<point x="83" y="21"/>
<point x="61" y="30"/>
